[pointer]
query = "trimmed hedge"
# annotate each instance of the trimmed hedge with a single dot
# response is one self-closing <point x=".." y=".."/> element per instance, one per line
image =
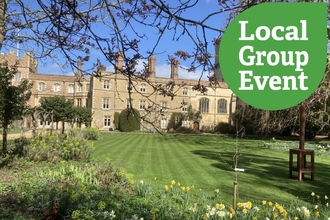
<point x="116" y="120"/>
<point x="129" y="120"/>
<point x="224" y="128"/>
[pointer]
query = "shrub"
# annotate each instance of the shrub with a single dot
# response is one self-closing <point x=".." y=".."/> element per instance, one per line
<point x="116" y="120"/>
<point x="55" y="148"/>
<point x="129" y="120"/>
<point x="88" y="133"/>
<point x="175" y="121"/>
<point x="184" y="130"/>
<point x="224" y="128"/>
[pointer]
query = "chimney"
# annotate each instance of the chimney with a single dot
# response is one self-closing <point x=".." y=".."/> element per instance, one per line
<point x="152" y="65"/>
<point x="101" y="68"/>
<point x="174" y="68"/>
<point x="79" y="71"/>
<point x="119" y="61"/>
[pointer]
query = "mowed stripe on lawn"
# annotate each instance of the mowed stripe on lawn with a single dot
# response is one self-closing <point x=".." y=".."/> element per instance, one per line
<point x="149" y="156"/>
<point x="195" y="160"/>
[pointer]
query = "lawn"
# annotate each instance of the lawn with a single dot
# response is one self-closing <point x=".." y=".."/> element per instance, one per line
<point x="200" y="161"/>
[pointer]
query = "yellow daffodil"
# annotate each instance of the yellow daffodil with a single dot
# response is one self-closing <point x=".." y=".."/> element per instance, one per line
<point x="153" y="211"/>
<point x="316" y="214"/>
<point x="244" y="211"/>
<point x="264" y="202"/>
<point x="217" y="191"/>
<point x="166" y="187"/>
<point x="172" y="182"/>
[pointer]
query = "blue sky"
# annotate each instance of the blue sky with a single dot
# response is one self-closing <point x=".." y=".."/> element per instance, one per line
<point x="167" y="45"/>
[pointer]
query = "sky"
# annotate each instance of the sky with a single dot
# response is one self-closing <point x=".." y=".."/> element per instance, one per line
<point x="167" y="45"/>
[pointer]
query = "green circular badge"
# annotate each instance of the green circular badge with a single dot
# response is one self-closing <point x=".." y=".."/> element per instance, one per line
<point x="273" y="55"/>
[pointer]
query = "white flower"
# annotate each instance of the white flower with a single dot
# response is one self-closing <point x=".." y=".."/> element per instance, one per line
<point x="141" y="182"/>
<point x="326" y="197"/>
<point x="212" y="211"/>
<point x="316" y="206"/>
<point x="267" y="218"/>
<point x="256" y="208"/>
<point x="134" y="217"/>
<point x="112" y="214"/>
<point x="221" y="213"/>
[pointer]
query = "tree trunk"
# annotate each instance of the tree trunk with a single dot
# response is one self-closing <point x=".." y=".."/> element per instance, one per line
<point x="43" y="127"/>
<point x="302" y="125"/>
<point x="63" y="126"/>
<point x="22" y="129"/>
<point x="3" y="30"/>
<point x="4" y="139"/>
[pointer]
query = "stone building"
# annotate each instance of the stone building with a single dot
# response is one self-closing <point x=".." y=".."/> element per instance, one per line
<point x="111" y="92"/>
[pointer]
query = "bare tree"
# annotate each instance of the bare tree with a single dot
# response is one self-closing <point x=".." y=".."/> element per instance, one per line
<point x="70" y="29"/>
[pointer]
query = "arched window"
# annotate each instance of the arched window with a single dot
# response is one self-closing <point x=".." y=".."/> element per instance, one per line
<point x="41" y="86"/>
<point x="222" y="106"/>
<point x="56" y="87"/>
<point x="204" y="105"/>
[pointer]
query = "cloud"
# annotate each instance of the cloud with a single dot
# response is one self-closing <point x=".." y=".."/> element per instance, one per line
<point x="164" y="71"/>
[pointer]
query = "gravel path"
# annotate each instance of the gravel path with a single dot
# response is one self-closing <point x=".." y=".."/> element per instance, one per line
<point x="27" y="134"/>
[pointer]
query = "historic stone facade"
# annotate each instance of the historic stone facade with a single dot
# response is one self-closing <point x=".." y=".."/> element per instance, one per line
<point x="111" y="92"/>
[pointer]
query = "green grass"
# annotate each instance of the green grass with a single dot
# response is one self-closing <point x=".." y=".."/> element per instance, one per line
<point x="195" y="160"/>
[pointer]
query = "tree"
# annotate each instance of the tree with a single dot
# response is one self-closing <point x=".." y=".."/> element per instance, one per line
<point x="116" y="120"/>
<point x="129" y="120"/>
<point x="70" y="29"/>
<point x="176" y="119"/>
<point x="62" y="109"/>
<point x="13" y="100"/>
<point x="193" y="115"/>
<point x="82" y="115"/>
<point x="288" y="120"/>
